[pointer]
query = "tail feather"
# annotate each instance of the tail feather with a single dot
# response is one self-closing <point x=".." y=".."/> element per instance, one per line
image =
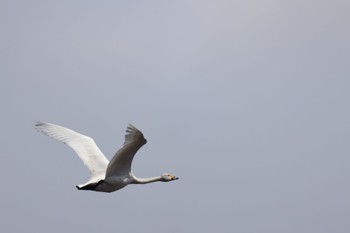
<point x="91" y="186"/>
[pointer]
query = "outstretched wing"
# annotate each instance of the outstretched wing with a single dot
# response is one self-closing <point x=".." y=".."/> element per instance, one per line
<point x="121" y="162"/>
<point x="84" y="146"/>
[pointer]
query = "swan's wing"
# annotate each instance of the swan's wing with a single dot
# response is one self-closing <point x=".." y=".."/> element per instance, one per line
<point x="84" y="146"/>
<point x="121" y="162"/>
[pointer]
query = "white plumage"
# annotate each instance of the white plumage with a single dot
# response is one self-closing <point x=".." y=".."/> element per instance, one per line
<point x="105" y="176"/>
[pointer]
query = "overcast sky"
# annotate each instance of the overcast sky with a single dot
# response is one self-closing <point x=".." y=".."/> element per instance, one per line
<point x="246" y="101"/>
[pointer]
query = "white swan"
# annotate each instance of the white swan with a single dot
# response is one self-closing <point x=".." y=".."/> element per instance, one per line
<point x="105" y="176"/>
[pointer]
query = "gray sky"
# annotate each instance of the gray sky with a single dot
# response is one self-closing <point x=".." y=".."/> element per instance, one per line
<point x="246" y="101"/>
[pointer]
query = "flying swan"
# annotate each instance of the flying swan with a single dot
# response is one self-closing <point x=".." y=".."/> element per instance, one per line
<point x="106" y="176"/>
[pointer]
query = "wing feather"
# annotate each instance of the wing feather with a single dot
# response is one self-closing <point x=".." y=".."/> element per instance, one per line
<point x="121" y="162"/>
<point x="84" y="146"/>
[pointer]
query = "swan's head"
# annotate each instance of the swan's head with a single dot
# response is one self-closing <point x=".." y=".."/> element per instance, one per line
<point x="166" y="177"/>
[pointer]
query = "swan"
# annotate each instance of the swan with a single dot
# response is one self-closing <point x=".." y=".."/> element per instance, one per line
<point x="106" y="176"/>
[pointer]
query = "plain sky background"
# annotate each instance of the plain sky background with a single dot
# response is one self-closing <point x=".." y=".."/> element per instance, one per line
<point x="246" y="101"/>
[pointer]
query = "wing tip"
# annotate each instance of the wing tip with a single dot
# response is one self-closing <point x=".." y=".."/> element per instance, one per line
<point x="132" y="130"/>
<point x="40" y="123"/>
<point x="130" y="126"/>
<point x="40" y="126"/>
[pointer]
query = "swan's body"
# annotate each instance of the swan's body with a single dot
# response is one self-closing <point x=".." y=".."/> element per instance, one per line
<point x="106" y="176"/>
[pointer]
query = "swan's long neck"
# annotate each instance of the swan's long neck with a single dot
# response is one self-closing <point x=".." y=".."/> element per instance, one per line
<point x="146" y="180"/>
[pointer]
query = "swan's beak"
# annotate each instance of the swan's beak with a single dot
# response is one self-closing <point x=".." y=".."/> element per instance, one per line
<point x="175" y="178"/>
